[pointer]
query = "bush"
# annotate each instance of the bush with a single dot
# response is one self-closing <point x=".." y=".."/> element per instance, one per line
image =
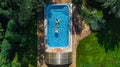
<point x="16" y="64"/>
<point x="97" y="24"/>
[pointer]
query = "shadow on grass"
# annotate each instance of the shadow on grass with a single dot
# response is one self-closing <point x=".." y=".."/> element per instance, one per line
<point x="109" y="38"/>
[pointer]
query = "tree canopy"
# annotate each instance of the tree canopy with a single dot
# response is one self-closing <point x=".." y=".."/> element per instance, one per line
<point x="18" y="21"/>
<point x="113" y="6"/>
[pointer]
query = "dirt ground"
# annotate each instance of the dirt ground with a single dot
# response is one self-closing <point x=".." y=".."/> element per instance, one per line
<point x="76" y="38"/>
<point x="84" y="30"/>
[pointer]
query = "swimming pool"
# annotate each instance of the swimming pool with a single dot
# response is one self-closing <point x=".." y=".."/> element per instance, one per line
<point x="59" y="39"/>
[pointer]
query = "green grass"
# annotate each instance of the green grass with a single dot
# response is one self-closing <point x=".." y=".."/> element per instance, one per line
<point x="101" y="49"/>
<point x="90" y="53"/>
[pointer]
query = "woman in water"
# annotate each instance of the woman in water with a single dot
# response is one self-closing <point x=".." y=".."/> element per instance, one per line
<point x="57" y="25"/>
<point x="57" y="21"/>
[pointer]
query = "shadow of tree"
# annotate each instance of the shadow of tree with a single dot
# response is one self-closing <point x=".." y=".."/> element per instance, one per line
<point x="109" y="38"/>
<point x="27" y="55"/>
<point x="26" y="50"/>
<point x="76" y="20"/>
<point x="48" y="1"/>
<point x="3" y="20"/>
<point x="40" y="32"/>
<point x="41" y="44"/>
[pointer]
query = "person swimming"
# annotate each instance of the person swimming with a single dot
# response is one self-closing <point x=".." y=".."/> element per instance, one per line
<point x="57" y="21"/>
<point x="56" y="30"/>
<point x="57" y="25"/>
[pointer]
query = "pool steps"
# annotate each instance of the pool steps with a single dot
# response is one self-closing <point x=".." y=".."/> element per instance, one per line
<point x="58" y="58"/>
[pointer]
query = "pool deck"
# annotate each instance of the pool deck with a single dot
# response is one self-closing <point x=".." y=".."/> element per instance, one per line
<point x="61" y="1"/>
<point x="59" y="50"/>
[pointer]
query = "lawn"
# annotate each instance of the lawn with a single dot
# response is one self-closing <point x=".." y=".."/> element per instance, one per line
<point x="90" y="53"/>
<point x="101" y="49"/>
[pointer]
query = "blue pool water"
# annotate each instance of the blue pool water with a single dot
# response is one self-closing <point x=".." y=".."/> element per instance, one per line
<point x="60" y="39"/>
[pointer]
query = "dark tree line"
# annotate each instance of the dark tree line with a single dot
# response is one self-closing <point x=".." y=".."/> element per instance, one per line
<point x="112" y="6"/>
<point x="94" y="11"/>
<point x="102" y="16"/>
<point x="18" y="23"/>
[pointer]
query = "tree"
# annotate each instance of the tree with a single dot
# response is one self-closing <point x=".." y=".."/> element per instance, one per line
<point x="20" y="30"/>
<point x="1" y="34"/>
<point x="5" y="54"/>
<point x="92" y="16"/>
<point x="113" y="6"/>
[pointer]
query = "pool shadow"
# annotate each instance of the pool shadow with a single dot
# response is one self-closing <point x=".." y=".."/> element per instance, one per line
<point x="109" y="38"/>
